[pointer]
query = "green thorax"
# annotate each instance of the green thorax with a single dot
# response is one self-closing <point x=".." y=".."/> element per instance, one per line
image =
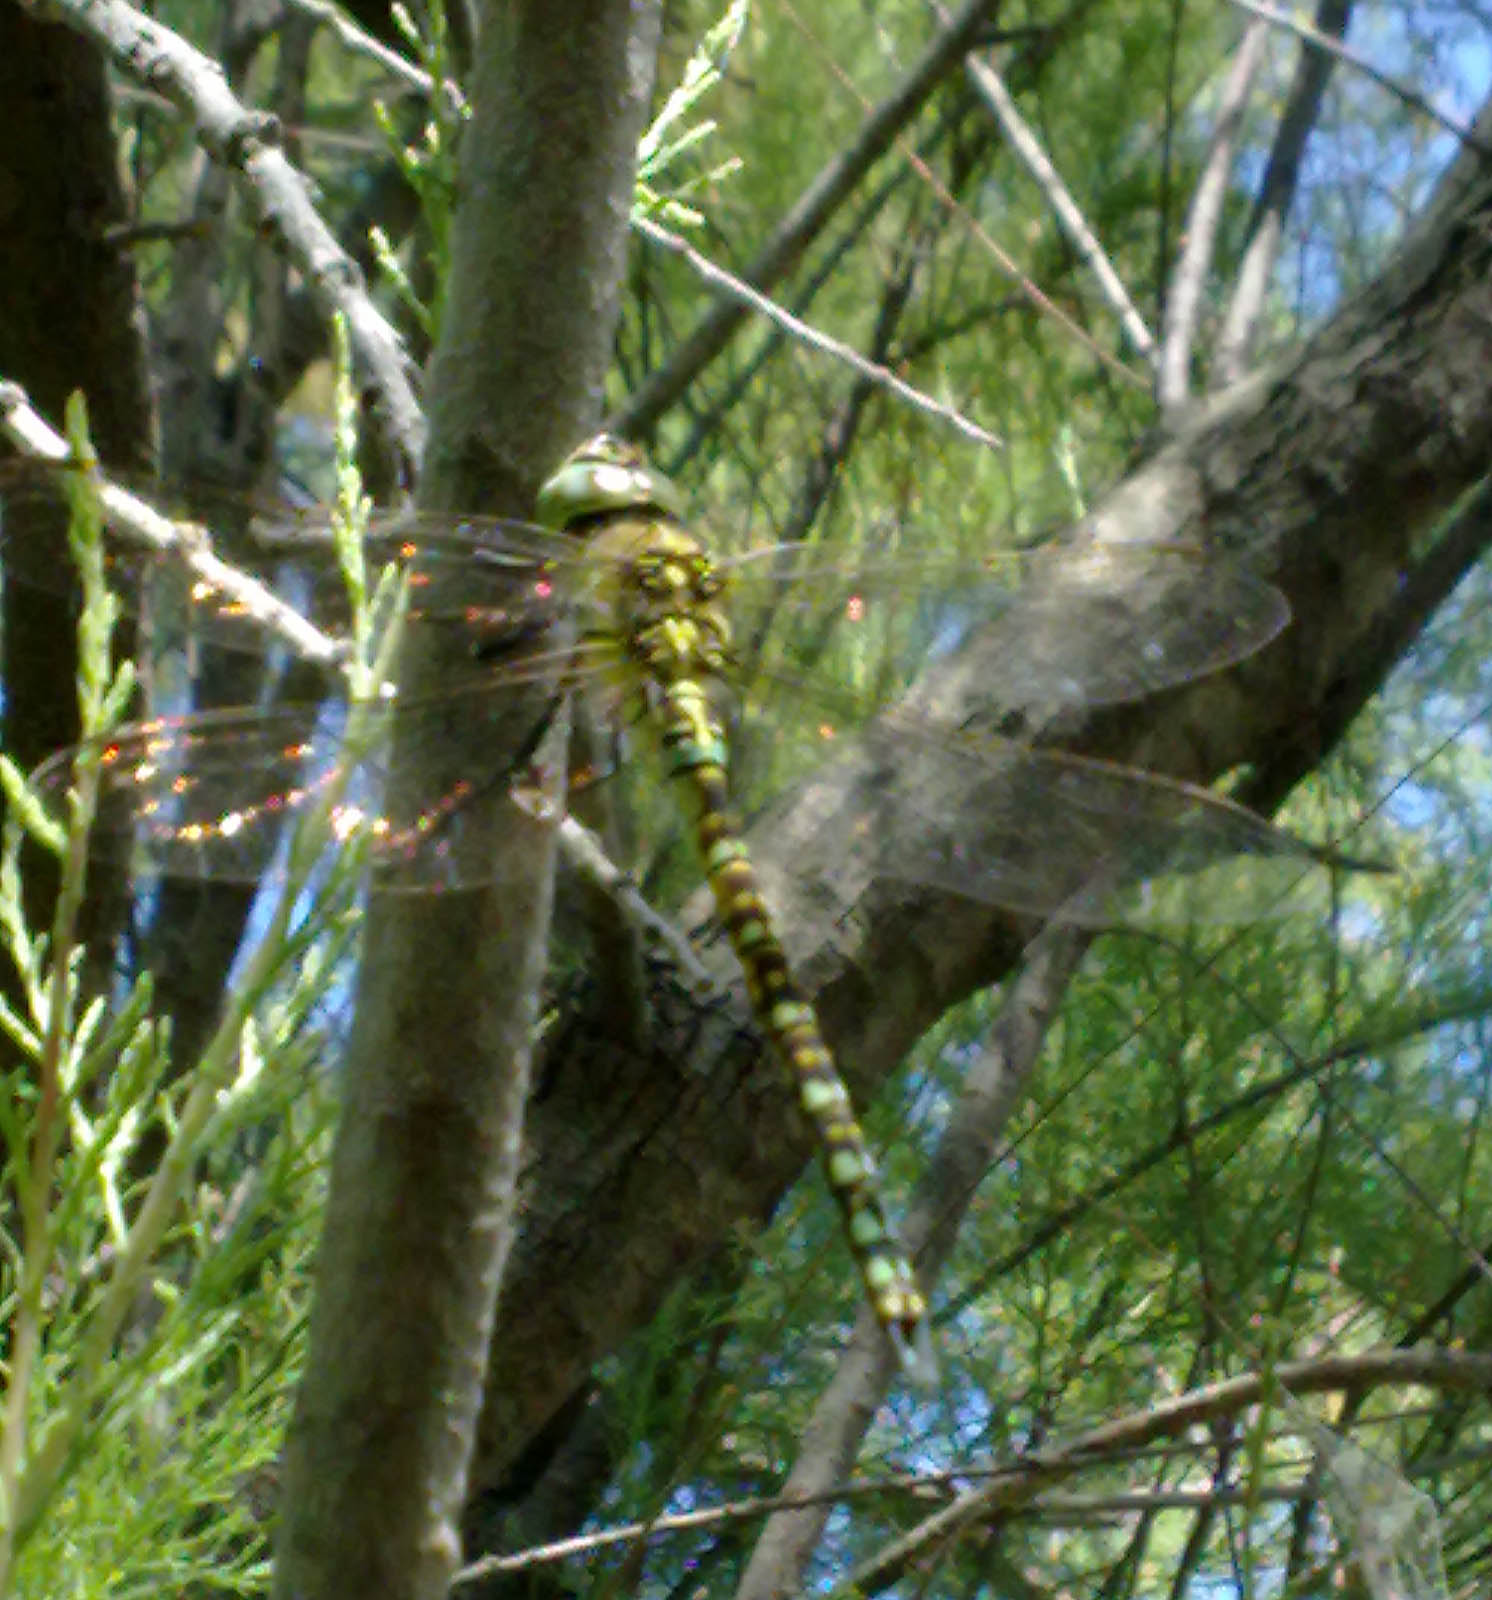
<point x="651" y="575"/>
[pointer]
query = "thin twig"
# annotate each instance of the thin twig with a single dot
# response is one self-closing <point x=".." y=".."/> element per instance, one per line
<point x="808" y="216"/>
<point x="587" y="856"/>
<point x="359" y="42"/>
<point x="1344" y="52"/>
<point x="126" y="235"/>
<point x="187" y="541"/>
<point x="991" y="88"/>
<point x="796" y="328"/>
<point x="1184" y="300"/>
<point x="686" y="1521"/>
<point x="1450" y="1370"/>
<point x="244" y="142"/>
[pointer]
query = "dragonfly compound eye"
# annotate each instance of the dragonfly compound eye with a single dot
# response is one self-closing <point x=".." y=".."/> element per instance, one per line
<point x="605" y="476"/>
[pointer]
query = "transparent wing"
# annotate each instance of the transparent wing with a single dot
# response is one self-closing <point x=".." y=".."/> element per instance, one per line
<point x="1040" y="633"/>
<point x="210" y="795"/>
<point x="484" y="577"/>
<point x="1055" y="835"/>
<point x="1078" y="626"/>
<point x="1390" y="1528"/>
<point x="215" y="795"/>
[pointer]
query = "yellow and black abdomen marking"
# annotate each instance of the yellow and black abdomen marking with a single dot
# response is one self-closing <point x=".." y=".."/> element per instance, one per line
<point x="659" y="594"/>
<point x="694" y="744"/>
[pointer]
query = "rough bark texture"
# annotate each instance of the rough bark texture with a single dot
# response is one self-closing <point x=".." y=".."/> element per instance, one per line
<point x="70" y="319"/>
<point x="1329" y="472"/>
<point x="420" y="1214"/>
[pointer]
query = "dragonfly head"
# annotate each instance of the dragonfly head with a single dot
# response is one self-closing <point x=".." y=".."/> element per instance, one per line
<point x="605" y="474"/>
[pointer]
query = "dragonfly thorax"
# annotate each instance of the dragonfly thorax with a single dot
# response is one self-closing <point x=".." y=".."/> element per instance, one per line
<point x="670" y="620"/>
<point x="656" y="583"/>
<point x="661" y="593"/>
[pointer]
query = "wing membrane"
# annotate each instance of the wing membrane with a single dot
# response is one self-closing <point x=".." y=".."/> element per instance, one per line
<point x="209" y="795"/>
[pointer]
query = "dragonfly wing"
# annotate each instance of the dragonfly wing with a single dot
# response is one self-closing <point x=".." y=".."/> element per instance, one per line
<point x="1058" y="836"/>
<point x="486" y="579"/>
<point x="217" y="795"/>
<point x="511" y="577"/>
<point x="1119" y="623"/>
<point x="208" y="796"/>
<point x="1042" y="632"/>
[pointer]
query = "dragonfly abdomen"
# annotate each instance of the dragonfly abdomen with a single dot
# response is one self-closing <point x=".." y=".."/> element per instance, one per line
<point x="660" y="591"/>
<point x="787" y="1018"/>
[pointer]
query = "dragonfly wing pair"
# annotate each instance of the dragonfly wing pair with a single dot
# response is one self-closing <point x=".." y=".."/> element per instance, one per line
<point x="657" y="619"/>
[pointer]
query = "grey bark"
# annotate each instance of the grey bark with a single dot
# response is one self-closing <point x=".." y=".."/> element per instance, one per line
<point x="420" y="1215"/>
<point x="70" y="318"/>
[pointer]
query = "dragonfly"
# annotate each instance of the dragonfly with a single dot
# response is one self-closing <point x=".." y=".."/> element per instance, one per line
<point x="612" y="587"/>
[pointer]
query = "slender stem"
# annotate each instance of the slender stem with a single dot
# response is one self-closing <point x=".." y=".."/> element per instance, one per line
<point x="171" y="1176"/>
<point x="36" y="1185"/>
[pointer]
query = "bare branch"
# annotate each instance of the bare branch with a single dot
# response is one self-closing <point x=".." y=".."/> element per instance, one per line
<point x="797" y="329"/>
<point x="1343" y="52"/>
<point x="245" y="142"/>
<point x="1276" y="195"/>
<point x="187" y="541"/>
<point x="1184" y="303"/>
<point x="1437" y="1369"/>
<point x="1023" y="141"/>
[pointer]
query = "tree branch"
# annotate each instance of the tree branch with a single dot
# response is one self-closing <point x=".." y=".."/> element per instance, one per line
<point x="1184" y="301"/>
<point x="807" y="217"/>
<point x="1436" y="1369"/>
<point x="1234" y="352"/>
<point x="245" y="142"/>
<point x="421" y="1210"/>
<point x="1318" y="38"/>
<point x="991" y="89"/>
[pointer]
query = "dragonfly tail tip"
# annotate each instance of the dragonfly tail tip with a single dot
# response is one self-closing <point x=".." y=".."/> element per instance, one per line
<point x="916" y="1355"/>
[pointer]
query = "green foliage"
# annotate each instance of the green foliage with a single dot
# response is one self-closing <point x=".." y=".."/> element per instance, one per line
<point x="427" y="162"/>
<point x="667" y="150"/>
<point x="1236" y="1149"/>
<point x="159" y="1217"/>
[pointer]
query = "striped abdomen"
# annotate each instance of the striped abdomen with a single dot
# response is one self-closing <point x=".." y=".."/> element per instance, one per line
<point x="660" y="596"/>
<point x="694" y="746"/>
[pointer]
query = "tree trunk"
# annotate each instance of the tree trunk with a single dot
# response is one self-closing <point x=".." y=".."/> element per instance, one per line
<point x="420" y="1215"/>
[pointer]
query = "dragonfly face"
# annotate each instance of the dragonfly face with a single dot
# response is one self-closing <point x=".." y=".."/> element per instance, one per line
<point x="606" y="475"/>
